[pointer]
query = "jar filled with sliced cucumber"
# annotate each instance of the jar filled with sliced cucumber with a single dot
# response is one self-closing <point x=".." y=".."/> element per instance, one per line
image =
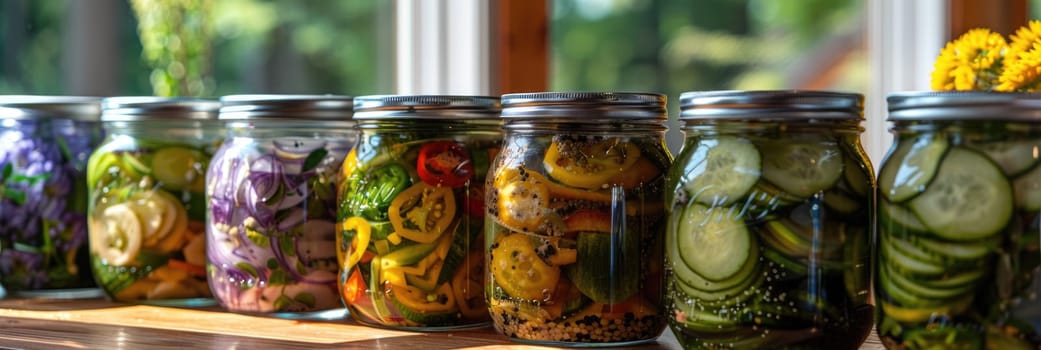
<point x="959" y="213"/>
<point x="411" y="211"/>
<point x="769" y="209"/>
<point x="271" y="197"/>
<point x="574" y="219"/>
<point x="147" y="205"/>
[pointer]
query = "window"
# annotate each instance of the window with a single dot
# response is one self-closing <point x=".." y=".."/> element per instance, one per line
<point x="672" y="46"/>
<point x="257" y="46"/>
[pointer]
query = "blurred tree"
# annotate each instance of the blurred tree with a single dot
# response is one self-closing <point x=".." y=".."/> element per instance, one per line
<point x="672" y="46"/>
<point x="176" y="36"/>
<point x="209" y="48"/>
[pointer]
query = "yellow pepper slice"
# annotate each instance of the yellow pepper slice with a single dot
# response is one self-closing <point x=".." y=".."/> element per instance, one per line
<point x="440" y="301"/>
<point x="589" y="164"/>
<point x="360" y="242"/>
<point x="422" y="212"/>
<point x="517" y="268"/>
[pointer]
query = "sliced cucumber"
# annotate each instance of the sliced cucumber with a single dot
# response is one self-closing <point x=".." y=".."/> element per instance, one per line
<point x="1014" y="157"/>
<point x="798" y="242"/>
<point x="784" y="260"/>
<point x="968" y="199"/>
<point x="721" y="170"/>
<point x="892" y="292"/>
<point x="605" y="271"/>
<point x="858" y="177"/>
<point x="698" y="320"/>
<point x="911" y="167"/>
<point x="724" y="297"/>
<point x="919" y="313"/>
<point x="765" y="200"/>
<point x="973" y="250"/>
<point x="954" y="280"/>
<point x="696" y="286"/>
<point x="842" y="202"/>
<point x="895" y="218"/>
<point x="924" y="291"/>
<point x="1028" y="189"/>
<point x="802" y="168"/>
<point x="714" y="243"/>
<point x="905" y="262"/>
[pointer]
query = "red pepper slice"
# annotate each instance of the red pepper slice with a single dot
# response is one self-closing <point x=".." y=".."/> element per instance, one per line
<point x="444" y="163"/>
<point x="353" y="289"/>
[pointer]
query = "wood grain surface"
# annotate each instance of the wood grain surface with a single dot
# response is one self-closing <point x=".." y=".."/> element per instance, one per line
<point x="100" y="324"/>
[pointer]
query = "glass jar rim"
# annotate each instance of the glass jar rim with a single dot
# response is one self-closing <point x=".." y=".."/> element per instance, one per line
<point x="383" y="107"/>
<point x="783" y="105"/>
<point x="33" y="107"/>
<point x="584" y="105"/>
<point x="964" y="105"/>
<point x="141" y="108"/>
<point x="286" y="107"/>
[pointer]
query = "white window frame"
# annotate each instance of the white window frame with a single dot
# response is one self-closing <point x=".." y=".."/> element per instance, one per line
<point x="444" y="47"/>
<point x="904" y="38"/>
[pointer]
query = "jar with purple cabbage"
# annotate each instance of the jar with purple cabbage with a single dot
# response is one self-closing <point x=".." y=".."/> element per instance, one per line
<point x="43" y="233"/>
<point x="147" y="206"/>
<point x="411" y="211"/>
<point x="271" y="196"/>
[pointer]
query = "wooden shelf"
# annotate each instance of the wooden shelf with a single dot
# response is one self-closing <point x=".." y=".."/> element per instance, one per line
<point x="100" y="324"/>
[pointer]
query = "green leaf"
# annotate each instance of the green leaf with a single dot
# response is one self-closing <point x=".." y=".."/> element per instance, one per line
<point x="272" y="263"/>
<point x="247" y="268"/>
<point x="278" y="277"/>
<point x="30" y="179"/>
<point x="8" y="169"/>
<point x="287" y="244"/>
<point x="314" y="159"/>
<point x="260" y="239"/>
<point x="14" y="195"/>
<point x="283" y="302"/>
<point x="305" y="298"/>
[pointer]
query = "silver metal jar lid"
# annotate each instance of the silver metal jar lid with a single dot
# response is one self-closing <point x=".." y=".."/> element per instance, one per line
<point x="80" y="108"/>
<point x="425" y="107"/>
<point x="137" y="108"/>
<point x="964" y="105"/>
<point x="293" y="107"/>
<point x="771" y="105"/>
<point x="587" y="105"/>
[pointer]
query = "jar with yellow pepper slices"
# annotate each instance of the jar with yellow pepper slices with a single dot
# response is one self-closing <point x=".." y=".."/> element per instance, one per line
<point x="146" y="201"/>
<point x="574" y="219"/>
<point x="410" y="239"/>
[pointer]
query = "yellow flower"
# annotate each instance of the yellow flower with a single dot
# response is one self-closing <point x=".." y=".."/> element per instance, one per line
<point x="1023" y="60"/>
<point x="972" y="62"/>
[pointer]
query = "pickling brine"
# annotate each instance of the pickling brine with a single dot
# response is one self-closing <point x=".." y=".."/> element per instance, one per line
<point x="959" y="264"/>
<point x="271" y="189"/>
<point x="770" y="214"/>
<point x="574" y="219"/>
<point x="147" y="207"/>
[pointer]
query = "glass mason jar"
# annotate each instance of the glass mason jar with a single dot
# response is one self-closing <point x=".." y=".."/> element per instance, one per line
<point x="43" y="213"/>
<point x="411" y="211"/>
<point x="271" y="194"/>
<point x="958" y="221"/>
<point x="574" y="219"/>
<point x="147" y="206"/>
<point x="770" y="209"/>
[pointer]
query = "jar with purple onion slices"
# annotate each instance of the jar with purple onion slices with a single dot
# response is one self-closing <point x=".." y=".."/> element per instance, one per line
<point x="271" y="196"/>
